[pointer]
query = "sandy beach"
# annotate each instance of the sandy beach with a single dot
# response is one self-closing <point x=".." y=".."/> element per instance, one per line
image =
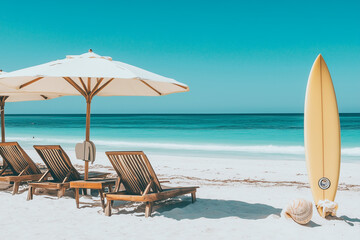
<point x="236" y="199"/>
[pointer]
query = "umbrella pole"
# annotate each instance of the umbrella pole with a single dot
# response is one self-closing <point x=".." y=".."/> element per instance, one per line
<point x="2" y="109"/>
<point x="87" y="135"/>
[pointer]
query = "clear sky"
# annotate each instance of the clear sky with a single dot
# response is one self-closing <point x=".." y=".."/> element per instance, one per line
<point x="236" y="56"/>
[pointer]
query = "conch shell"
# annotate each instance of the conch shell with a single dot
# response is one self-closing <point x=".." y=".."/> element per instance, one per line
<point x="300" y="210"/>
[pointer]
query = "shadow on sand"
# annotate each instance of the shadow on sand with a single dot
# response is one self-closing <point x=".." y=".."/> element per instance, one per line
<point x="203" y="208"/>
<point x="6" y="187"/>
<point x="312" y="224"/>
<point x="346" y="219"/>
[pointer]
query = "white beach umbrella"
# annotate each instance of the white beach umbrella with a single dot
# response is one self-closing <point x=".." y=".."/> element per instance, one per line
<point x="89" y="75"/>
<point x="8" y="94"/>
<point x="11" y="95"/>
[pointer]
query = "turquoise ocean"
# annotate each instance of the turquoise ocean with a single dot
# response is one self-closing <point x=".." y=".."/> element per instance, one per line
<point x="242" y="136"/>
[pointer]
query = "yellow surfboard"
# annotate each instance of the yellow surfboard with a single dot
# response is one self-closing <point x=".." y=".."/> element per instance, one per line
<point x="322" y="134"/>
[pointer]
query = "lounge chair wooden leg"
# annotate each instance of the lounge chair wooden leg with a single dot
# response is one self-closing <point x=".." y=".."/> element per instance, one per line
<point x="61" y="192"/>
<point x="101" y="193"/>
<point x="77" y="197"/>
<point x="30" y="193"/>
<point x="108" y="208"/>
<point x="110" y="188"/>
<point x="193" y="196"/>
<point x="16" y="188"/>
<point x="117" y="185"/>
<point x="148" y="209"/>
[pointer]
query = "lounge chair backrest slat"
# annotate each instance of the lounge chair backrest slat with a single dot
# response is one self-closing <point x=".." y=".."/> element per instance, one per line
<point x="17" y="159"/>
<point x="135" y="171"/>
<point x="57" y="162"/>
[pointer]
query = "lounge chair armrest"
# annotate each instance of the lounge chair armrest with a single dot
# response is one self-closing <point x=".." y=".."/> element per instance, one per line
<point x="4" y="169"/>
<point x="25" y="169"/>
<point x="147" y="189"/>
<point x="68" y="175"/>
<point x="44" y="175"/>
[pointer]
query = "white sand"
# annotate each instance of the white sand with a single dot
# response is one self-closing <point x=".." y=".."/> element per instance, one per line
<point x="236" y="199"/>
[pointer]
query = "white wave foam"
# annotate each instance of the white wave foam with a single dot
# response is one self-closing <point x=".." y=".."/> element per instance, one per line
<point x="50" y="140"/>
<point x="355" y="151"/>
<point x="210" y="147"/>
<point x="175" y="146"/>
<point x="269" y="149"/>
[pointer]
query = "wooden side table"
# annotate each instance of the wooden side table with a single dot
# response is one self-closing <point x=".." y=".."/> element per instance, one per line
<point x="97" y="184"/>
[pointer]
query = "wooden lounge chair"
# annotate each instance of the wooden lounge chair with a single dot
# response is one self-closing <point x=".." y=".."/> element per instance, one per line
<point x="22" y="167"/>
<point x="60" y="168"/>
<point x="140" y="181"/>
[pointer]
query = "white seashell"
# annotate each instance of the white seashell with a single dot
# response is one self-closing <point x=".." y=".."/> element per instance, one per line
<point x="300" y="210"/>
<point x="327" y="207"/>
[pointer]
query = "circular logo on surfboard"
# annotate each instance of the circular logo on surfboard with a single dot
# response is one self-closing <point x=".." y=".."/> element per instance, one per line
<point x="324" y="183"/>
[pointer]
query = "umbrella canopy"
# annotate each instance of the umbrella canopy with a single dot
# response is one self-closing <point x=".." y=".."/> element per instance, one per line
<point x="89" y="75"/>
<point x="88" y="72"/>
<point x="8" y="94"/>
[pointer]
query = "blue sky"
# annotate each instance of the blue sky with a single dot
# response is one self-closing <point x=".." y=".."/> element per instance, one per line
<point x="236" y="56"/>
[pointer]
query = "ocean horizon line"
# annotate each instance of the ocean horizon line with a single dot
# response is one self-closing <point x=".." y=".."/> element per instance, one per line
<point x="134" y="114"/>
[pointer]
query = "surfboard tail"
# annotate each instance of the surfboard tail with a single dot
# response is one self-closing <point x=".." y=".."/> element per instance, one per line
<point x="326" y="208"/>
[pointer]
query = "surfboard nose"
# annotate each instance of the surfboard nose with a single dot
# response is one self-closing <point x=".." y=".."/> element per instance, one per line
<point x="319" y="57"/>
